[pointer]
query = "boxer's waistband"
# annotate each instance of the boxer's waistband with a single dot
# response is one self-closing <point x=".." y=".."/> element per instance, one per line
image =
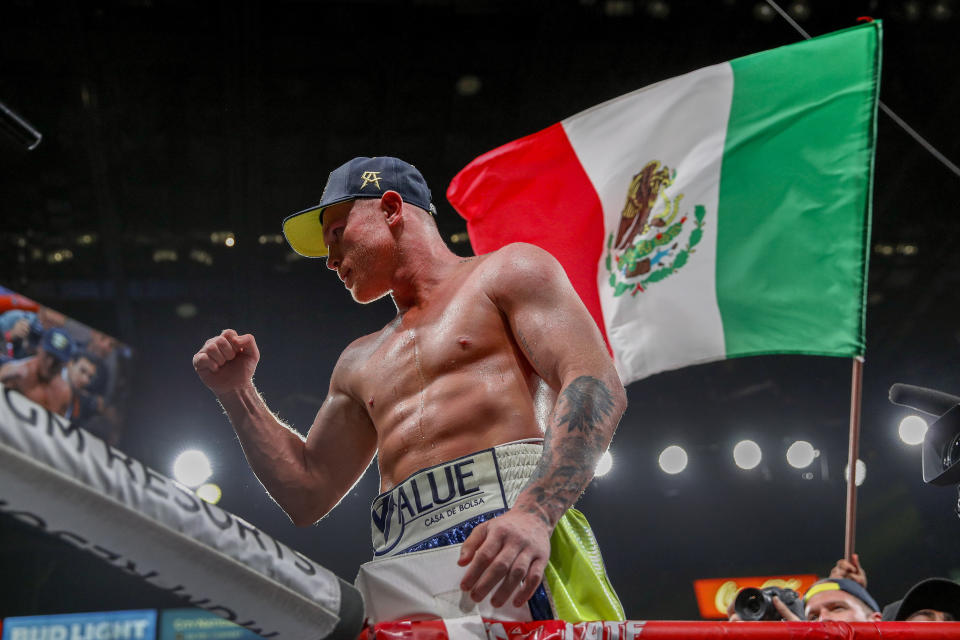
<point x="440" y="498"/>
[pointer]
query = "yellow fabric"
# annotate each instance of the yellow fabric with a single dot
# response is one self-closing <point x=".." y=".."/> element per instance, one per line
<point x="823" y="586"/>
<point x="575" y="576"/>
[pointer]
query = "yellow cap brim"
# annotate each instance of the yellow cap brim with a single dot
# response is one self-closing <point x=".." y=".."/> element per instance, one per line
<point x="304" y="232"/>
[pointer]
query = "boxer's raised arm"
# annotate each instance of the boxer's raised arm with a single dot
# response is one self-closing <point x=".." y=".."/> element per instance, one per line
<point x="563" y="344"/>
<point x="306" y="476"/>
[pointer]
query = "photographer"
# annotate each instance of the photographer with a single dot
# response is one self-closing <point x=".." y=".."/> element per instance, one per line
<point x="930" y="600"/>
<point x="785" y="604"/>
<point x="838" y="599"/>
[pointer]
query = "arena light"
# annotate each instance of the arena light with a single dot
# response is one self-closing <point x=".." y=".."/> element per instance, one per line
<point x="673" y="459"/>
<point x="192" y="468"/>
<point x="618" y="8"/>
<point x="912" y="430"/>
<point x="60" y="255"/>
<point x="201" y="256"/>
<point x="763" y="12"/>
<point x="658" y="9"/>
<point x="907" y="249"/>
<point x="165" y="255"/>
<point x="209" y="492"/>
<point x="912" y="10"/>
<point x="941" y="11"/>
<point x="801" y="454"/>
<point x="186" y="310"/>
<point x="861" y="472"/>
<point x="800" y="10"/>
<point x="883" y="249"/>
<point x="747" y="454"/>
<point x="604" y="464"/>
<point x="469" y="85"/>
<point x="270" y="238"/>
<point x="230" y="240"/>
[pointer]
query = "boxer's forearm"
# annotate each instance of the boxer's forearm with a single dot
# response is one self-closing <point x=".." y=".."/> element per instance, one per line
<point x="579" y="430"/>
<point x="274" y="451"/>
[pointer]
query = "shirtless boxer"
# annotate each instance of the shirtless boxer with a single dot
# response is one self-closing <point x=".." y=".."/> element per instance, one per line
<point x="483" y="351"/>
<point x="38" y="377"/>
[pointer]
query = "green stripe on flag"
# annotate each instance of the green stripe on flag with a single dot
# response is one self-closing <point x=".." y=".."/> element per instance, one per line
<point x="794" y="211"/>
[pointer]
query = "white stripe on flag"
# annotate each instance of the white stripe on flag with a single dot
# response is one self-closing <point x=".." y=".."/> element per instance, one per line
<point x="682" y="124"/>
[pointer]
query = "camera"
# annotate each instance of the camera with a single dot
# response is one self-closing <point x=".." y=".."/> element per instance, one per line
<point x="941" y="445"/>
<point x="757" y="604"/>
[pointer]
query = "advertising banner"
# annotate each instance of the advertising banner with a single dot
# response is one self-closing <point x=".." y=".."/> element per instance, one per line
<point x="101" y="625"/>
<point x="197" y="624"/>
<point x="72" y="485"/>
<point x="73" y="370"/>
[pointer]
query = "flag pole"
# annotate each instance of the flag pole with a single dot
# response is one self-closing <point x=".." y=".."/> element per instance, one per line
<point x="856" y="388"/>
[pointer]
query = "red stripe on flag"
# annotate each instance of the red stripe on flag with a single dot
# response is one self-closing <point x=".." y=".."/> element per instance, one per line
<point x="535" y="190"/>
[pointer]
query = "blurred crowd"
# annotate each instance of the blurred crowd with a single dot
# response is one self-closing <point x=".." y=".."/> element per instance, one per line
<point x="66" y="367"/>
<point x="843" y="596"/>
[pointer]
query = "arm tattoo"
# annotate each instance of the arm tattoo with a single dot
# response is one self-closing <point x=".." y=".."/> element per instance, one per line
<point x="588" y="403"/>
<point x="570" y="455"/>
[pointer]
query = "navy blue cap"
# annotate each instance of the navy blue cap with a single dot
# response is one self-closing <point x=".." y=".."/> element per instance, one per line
<point x="58" y="343"/>
<point x="938" y="594"/>
<point x="842" y="584"/>
<point x="359" y="178"/>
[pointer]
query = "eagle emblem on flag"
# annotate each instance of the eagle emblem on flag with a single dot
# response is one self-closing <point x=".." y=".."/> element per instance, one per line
<point x="651" y="243"/>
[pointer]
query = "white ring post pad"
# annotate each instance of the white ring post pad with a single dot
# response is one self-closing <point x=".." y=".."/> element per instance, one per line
<point x="74" y="486"/>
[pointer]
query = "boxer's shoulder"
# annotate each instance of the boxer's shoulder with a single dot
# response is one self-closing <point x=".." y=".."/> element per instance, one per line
<point x="519" y="255"/>
<point x="518" y="270"/>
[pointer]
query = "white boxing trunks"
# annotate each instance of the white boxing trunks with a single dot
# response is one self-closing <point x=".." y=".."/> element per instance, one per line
<point x="419" y="525"/>
<point x="440" y="505"/>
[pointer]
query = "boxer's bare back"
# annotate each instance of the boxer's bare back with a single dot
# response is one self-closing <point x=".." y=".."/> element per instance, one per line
<point x="476" y="356"/>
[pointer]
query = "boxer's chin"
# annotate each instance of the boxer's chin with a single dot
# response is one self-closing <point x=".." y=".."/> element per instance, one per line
<point x="366" y="296"/>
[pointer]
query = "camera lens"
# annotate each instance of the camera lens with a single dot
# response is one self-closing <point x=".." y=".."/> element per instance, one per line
<point x="952" y="453"/>
<point x="751" y="604"/>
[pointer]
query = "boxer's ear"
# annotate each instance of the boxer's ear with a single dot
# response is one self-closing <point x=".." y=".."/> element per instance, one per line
<point x="391" y="203"/>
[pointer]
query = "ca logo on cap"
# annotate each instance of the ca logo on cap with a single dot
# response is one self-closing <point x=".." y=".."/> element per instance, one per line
<point x="59" y="341"/>
<point x="370" y="176"/>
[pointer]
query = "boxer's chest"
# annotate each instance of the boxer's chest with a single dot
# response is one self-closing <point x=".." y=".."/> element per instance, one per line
<point x="457" y="334"/>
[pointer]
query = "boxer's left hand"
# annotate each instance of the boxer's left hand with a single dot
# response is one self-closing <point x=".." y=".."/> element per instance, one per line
<point x="511" y="551"/>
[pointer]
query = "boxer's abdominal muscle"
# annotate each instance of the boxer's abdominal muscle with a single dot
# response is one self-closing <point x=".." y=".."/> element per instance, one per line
<point x="445" y="380"/>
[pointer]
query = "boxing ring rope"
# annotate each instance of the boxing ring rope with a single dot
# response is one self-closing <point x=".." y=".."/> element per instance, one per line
<point x="70" y="484"/>
<point x="473" y="628"/>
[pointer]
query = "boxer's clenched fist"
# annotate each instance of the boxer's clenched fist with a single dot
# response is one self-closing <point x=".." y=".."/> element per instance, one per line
<point x="227" y="362"/>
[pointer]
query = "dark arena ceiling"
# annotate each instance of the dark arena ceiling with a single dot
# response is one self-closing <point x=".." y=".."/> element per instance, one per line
<point x="170" y="124"/>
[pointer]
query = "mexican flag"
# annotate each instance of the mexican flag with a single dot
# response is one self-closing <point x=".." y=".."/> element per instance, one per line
<point x="722" y="213"/>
